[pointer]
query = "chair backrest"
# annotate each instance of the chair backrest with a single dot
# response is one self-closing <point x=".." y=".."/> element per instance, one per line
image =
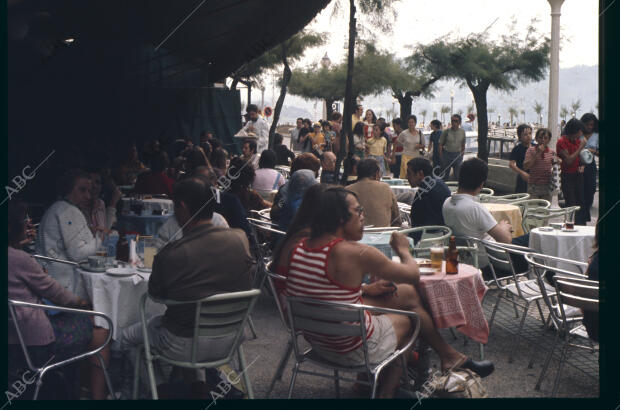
<point x="13" y="304"/>
<point x="487" y="191"/>
<point x="543" y="263"/>
<point x="310" y="316"/>
<point x="536" y="217"/>
<point x="430" y="235"/>
<point x="525" y="204"/>
<point x="510" y="198"/>
<point x="576" y="292"/>
<point x="224" y="314"/>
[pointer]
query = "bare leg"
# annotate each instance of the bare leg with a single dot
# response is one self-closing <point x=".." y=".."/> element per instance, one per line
<point x="390" y="376"/>
<point x="408" y="298"/>
<point x="97" y="380"/>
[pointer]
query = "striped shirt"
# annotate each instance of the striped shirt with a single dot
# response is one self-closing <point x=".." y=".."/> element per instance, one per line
<point x="540" y="172"/>
<point x="308" y="278"/>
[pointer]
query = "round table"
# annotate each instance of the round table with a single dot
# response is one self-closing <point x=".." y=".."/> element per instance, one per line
<point x="144" y="224"/>
<point x="507" y="211"/>
<point x="395" y="182"/>
<point x="456" y="301"/>
<point x="381" y="241"/>
<point x="150" y="205"/>
<point x="119" y="297"/>
<point x="576" y="246"/>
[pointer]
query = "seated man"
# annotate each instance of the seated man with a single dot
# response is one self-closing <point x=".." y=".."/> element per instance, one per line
<point x="206" y="261"/>
<point x="376" y="197"/>
<point x="464" y="214"/>
<point x="328" y="167"/>
<point x="432" y="193"/>
<point x="249" y="153"/>
<point x="283" y="154"/>
<point x="330" y="265"/>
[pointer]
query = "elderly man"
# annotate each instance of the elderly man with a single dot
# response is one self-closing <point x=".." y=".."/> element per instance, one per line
<point x="331" y="264"/>
<point x="328" y="168"/>
<point x="258" y="126"/>
<point x="207" y="260"/>
<point x="376" y="197"/>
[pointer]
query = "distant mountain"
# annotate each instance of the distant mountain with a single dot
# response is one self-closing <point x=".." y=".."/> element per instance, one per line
<point x="579" y="82"/>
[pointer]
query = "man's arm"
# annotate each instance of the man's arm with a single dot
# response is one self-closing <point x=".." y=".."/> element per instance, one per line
<point x="372" y="260"/>
<point x="570" y="158"/>
<point x="502" y="232"/>
<point x="513" y="165"/>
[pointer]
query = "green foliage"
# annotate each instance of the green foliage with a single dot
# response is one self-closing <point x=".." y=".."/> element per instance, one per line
<point x="294" y="48"/>
<point x="575" y="105"/>
<point x="563" y="112"/>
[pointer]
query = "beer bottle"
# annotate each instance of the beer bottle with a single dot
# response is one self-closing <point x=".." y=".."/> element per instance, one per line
<point x="452" y="258"/>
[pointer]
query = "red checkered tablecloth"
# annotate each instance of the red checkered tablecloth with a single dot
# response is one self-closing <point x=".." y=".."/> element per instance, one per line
<point x="456" y="301"/>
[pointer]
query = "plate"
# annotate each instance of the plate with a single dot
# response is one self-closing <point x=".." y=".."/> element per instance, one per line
<point x="86" y="266"/>
<point x="545" y="229"/>
<point x="427" y="271"/>
<point x="121" y="271"/>
<point x="145" y="270"/>
<point x="569" y="230"/>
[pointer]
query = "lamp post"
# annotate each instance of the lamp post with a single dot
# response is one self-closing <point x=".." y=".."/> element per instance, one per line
<point x="451" y="103"/>
<point x="552" y="119"/>
<point x="325" y="63"/>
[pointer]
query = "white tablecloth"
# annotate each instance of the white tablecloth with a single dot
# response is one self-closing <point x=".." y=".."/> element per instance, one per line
<point x="150" y="205"/>
<point x="568" y="245"/>
<point x="119" y="298"/>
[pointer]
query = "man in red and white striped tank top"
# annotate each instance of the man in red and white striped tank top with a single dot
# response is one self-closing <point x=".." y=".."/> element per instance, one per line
<point x="330" y="265"/>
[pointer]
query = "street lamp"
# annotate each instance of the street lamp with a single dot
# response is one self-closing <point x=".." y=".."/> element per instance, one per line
<point x="325" y="61"/>
<point x="451" y="102"/>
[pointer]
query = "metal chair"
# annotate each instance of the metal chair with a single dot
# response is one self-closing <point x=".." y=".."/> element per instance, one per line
<point x="516" y="285"/>
<point x="536" y="217"/>
<point x="525" y="204"/>
<point x="452" y="185"/>
<point x="216" y="316"/>
<point x="504" y="199"/>
<point x="40" y="372"/>
<point x="340" y="319"/>
<point x="563" y="313"/>
<point x="405" y="212"/>
<point x="271" y="278"/>
<point x="284" y="170"/>
<point x="430" y="235"/>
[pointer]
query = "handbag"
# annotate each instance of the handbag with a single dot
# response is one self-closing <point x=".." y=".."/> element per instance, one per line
<point x="554" y="182"/>
<point x="458" y="384"/>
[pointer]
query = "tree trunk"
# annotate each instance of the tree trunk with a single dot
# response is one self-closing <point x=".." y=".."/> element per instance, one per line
<point x="329" y="109"/>
<point x="480" y="98"/>
<point x="249" y="94"/>
<point x="348" y="99"/>
<point x="286" y="77"/>
<point x="406" y="103"/>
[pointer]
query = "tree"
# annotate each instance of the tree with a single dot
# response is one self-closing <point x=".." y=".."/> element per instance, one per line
<point x="480" y="63"/>
<point x="575" y="105"/>
<point x="290" y="50"/>
<point x="513" y="113"/>
<point x="563" y="112"/>
<point x="444" y="110"/>
<point x="538" y="108"/>
<point x="423" y="114"/>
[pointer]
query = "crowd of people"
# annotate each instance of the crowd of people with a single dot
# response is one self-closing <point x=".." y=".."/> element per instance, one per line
<point x="214" y="193"/>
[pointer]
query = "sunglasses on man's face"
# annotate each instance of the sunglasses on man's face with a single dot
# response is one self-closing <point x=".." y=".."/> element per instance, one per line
<point x="360" y="210"/>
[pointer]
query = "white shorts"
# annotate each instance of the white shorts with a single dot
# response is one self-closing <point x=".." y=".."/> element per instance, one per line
<point x="381" y="344"/>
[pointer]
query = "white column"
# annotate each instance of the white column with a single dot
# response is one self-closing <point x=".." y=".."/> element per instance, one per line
<point x="554" y="71"/>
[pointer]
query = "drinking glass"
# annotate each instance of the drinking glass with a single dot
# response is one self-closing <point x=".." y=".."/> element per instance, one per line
<point x="569" y="220"/>
<point x="437" y="254"/>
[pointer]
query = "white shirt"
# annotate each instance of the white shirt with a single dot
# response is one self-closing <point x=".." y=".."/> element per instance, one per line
<point x="170" y="231"/>
<point x="261" y="129"/>
<point x="465" y="215"/>
<point x="64" y="234"/>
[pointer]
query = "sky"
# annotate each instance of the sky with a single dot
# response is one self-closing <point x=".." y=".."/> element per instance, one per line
<point x="422" y="21"/>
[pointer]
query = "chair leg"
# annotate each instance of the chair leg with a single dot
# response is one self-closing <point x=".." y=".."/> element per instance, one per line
<point x="547" y="362"/>
<point x="542" y="315"/>
<point x="37" y="388"/>
<point x="337" y="383"/>
<point x="105" y="375"/>
<point x="293" y="377"/>
<point x="406" y="380"/>
<point x="280" y="369"/>
<point x="499" y="298"/>
<point x="136" y="373"/>
<point x="252" y="329"/>
<point x="514" y="305"/>
<point x="563" y="359"/>
<point x="375" y="385"/>
<point x="151" y="373"/>
<point x="244" y="371"/>
<point x="518" y="340"/>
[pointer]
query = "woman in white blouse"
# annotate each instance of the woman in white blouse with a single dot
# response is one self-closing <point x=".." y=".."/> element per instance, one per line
<point x="413" y="144"/>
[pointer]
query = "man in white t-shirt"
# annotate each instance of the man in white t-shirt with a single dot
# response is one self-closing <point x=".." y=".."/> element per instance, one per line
<point x="258" y="126"/>
<point x="466" y="216"/>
